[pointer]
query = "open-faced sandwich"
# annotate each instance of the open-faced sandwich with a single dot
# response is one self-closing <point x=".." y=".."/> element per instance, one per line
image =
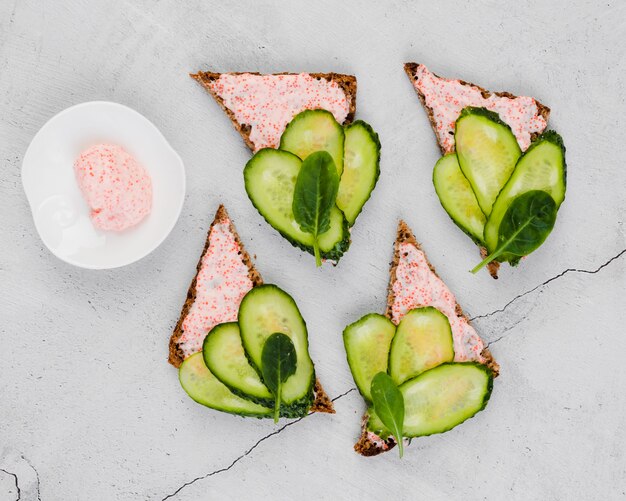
<point x="241" y="346"/>
<point x="421" y="368"/>
<point x="502" y="177"/>
<point x="313" y="168"/>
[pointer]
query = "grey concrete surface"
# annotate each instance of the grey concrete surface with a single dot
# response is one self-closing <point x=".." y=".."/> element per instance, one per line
<point x="89" y="408"/>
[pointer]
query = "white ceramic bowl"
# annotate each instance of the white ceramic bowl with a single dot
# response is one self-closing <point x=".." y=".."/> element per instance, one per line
<point x="61" y="214"/>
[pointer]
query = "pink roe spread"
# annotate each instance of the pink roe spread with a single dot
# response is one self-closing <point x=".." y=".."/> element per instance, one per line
<point x="416" y="285"/>
<point x="267" y="103"/>
<point x="117" y="188"/>
<point x="221" y="284"/>
<point x="446" y="98"/>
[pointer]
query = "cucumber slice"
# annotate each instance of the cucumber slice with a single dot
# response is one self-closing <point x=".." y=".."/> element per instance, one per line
<point x="265" y="310"/>
<point x="361" y="168"/>
<point x="423" y="340"/>
<point x="270" y="180"/>
<point x="444" y="397"/>
<point x="487" y="151"/>
<point x="457" y="198"/>
<point x="440" y="399"/>
<point x="225" y="357"/>
<point x="311" y="131"/>
<point x="367" y="344"/>
<point x="202" y="386"/>
<point x="541" y="168"/>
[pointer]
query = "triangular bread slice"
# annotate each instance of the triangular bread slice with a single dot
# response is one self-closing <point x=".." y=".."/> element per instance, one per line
<point x="261" y="105"/>
<point x="443" y="99"/>
<point x="412" y="281"/>
<point x="224" y="261"/>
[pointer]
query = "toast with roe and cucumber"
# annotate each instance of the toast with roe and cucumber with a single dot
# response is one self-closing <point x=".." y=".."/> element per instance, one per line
<point x="421" y="368"/>
<point x="241" y="346"/>
<point x="261" y="105"/>
<point x="314" y="167"/>
<point x="502" y="176"/>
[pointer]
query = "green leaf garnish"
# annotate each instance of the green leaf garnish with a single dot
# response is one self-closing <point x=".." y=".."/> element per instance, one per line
<point x="278" y="362"/>
<point x="389" y="405"/>
<point x="526" y="224"/>
<point x="314" y="196"/>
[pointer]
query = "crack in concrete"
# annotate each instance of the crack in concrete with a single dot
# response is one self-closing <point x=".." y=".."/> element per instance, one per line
<point x="552" y="279"/>
<point x="246" y="453"/>
<point x="494" y="341"/>
<point x="343" y="394"/>
<point x="19" y="493"/>
<point x="221" y="470"/>
<point x="503" y="334"/>
<point x="36" y="474"/>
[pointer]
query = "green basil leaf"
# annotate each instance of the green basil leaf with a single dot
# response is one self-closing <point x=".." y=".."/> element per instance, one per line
<point x="278" y="362"/>
<point x="526" y="224"/>
<point x="314" y="196"/>
<point x="389" y="405"/>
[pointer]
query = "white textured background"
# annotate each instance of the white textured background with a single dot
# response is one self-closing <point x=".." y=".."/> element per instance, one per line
<point x="89" y="408"/>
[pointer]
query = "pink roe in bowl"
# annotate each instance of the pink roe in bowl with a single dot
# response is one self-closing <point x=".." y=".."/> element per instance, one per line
<point x="117" y="188"/>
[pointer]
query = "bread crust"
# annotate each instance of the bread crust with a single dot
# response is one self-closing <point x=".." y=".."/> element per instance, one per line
<point x="346" y="82"/>
<point x="321" y="401"/>
<point x="492" y="267"/>
<point x="175" y="354"/>
<point x="411" y="69"/>
<point x="365" y="446"/>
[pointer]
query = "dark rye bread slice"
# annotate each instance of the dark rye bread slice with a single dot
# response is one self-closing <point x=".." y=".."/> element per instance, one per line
<point x="322" y="402"/>
<point x="405" y="235"/>
<point x="346" y="82"/>
<point x="411" y="71"/>
<point x="544" y="111"/>
<point x="365" y="446"/>
<point x="221" y="216"/>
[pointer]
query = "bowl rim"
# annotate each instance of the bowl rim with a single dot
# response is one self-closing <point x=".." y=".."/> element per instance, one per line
<point x="180" y="166"/>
